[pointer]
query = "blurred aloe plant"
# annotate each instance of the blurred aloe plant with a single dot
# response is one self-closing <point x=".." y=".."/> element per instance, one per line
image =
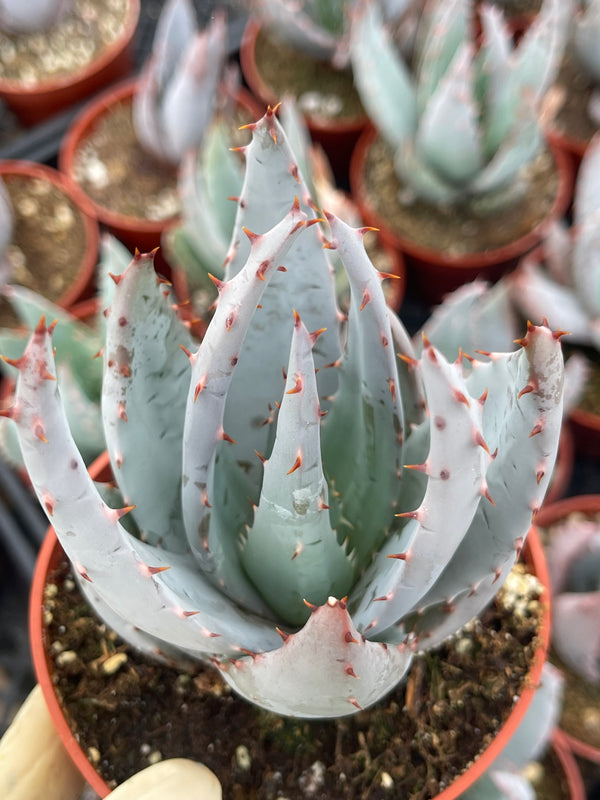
<point x="78" y="344"/>
<point x="33" y="16"/>
<point x="463" y="124"/>
<point x="573" y="555"/>
<point x="280" y="535"/>
<point x="179" y="86"/>
<point x="564" y="285"/>
<point x="6" y="233"/>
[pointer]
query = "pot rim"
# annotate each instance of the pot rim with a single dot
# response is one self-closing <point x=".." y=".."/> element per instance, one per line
<point x="486" y="258"/>
<point x="50" y="550"/>
<point x="85" y="274"/>
<point x="566" y="755"/>
<point x="316" y="124"/>
<point x="14" y="88"/>
<point x="587" y="503"/>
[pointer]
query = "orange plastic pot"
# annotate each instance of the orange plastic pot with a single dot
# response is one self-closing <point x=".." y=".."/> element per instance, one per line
<point x="436" y="272"/>
<point x="33" y="104"/>
<point x="337" y="136"/>
<point x="83" y="284"/>
<point x="51" y="554"/>
<point x="572" y="773"/>
<point x="548" y="515"/>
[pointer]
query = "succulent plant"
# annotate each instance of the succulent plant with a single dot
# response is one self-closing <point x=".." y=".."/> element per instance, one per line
<point x="77" y="345"/>
<point x="38" y="15"/>
<point x="507" y="778"/>
<point x="463" y="124"/>
<point x="269" y="524"/>
<point x="585" y="38"/>
<point x="564" y="285"/>
<point x="573" y="555"/>
<point x="177" y="93"/>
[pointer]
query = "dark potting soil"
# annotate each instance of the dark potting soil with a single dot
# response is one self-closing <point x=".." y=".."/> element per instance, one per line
<point x="128" y="711"/>
<point x="573" y="90"/>
<point x="457" y="230"/>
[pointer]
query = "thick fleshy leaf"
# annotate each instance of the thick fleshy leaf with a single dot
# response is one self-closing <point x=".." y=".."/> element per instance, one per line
<point x="587" y="191"/>
<point x="270" y="187"/>
<point x="145" y="384"/>
<point x="327" y="669"/>
<point x="363" y="431"/>
<point x="448" y="136"/>
<point x="521" y="425"/>
<point x="585" y="38"/>
<point x="292" y="553"/>
<point x="455" y="466"/>
<point x="314" y="29"/>
<point x="214" y="364"/>
<point x="586" y="264"/>
<point x="162" y="593"/>
<point x="380" y="73"/>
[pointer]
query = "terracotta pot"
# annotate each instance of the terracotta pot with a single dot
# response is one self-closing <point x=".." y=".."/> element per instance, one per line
<point x="585" y="428"/>
<point x="548" y="515"/>
<point x="337" y="136"/>
<point x="564" y="753"/>
<point x="573" y="148"/>
<point x="435" y="272"/>
<point x="84" y="281"/>
<point x="51" y="554"/>
<point x="134" y="232"/>
<point x="33" y="104"/>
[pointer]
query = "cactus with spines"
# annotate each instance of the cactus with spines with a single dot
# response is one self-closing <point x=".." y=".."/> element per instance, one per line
<point x="463" y="122"/>
<point x="78" y="345"/>
<point x="573" y="555"/>
<point x="181" y="82"/>
<point x="310" y="507"/>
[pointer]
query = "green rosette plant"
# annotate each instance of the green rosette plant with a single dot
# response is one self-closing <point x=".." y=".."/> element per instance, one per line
<point x="305" y="502"/>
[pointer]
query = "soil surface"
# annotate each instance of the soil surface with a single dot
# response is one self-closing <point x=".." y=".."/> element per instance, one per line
<point x="48" y="242"/>
<point x="287" y="71"/>
<point x="457" y="230"/>
<point x="129" y="712"/>
<point x="70" y="45"/>
<point x="116" y="172"/>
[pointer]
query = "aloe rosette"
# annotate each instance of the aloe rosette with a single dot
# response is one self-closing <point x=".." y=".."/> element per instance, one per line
<point x="463" y="119"/>
<point x="269" y="523"/>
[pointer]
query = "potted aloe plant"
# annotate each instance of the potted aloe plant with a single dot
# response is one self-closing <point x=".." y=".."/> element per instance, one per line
<point x="54" y="53"/>
<point x="277" y="537"/>
<point x="560" y="280"/>
<point x="124" y="148"/>
<point x="571" y="534"/>
<point x="455" y="171"/>
<point x="575" y="105"/>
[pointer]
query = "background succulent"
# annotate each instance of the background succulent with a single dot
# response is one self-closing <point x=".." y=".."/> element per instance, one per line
<point x="289" y="546"/>
<point x="6" y="232"/>
<point x="586" y="39"/>
<point x="78" y="343"/>
<point x="562" y="281"/>
<point x="573" y="555"/>
<point x="37" y="15"/>
<point x="178" y="88"/>
<point x="463" y="123"/>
